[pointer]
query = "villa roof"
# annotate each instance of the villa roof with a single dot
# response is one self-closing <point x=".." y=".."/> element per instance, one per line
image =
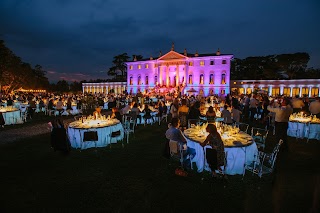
<point x="189" y="55"/>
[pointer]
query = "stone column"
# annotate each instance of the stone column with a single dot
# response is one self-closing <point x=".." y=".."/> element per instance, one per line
<point x="160" y="75"/>
<point x="177" y="75"/>
<point x="167" y="76"/>
<point x="291" y="88"/>
<point x="186" y="68"/>
<point x="300" y="91"/>
<point x="270" y="90"/>
<point x="310" y="87"/>
<point x="281" y="89"/>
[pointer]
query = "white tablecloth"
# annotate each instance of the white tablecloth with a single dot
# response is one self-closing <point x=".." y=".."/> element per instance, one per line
<point x="301" y="130"/>
<point x="104" y="136"/>
<point x="236" y="157"/>
<point x="13" y="117"/>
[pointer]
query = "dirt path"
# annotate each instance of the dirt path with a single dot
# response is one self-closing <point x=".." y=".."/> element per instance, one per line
<point x="11" y="135"/>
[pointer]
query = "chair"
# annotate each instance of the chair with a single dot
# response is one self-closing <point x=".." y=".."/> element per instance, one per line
<point x="222" y="170"/>
<point x="24" y="113"/>
<point x="293" y="130"/>
<point x="77" y="117"/>
<point x="176" y="152"/>
<point x="90" y="136"/>
<point x="194" y="122"/>
<point x="259" y="136"/>
<point x="264" y="163"/>
<point x="59" y="140"/>
<point x="115" y="135"/>
<point x="243" y="127"/>
<point x="271" y="122"/>
<point x="162" y="117"/>
<point x="312" y="131"/>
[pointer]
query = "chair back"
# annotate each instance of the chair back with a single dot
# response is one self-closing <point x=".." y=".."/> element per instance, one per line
<point x="193" y="122"/>
<point x="173" y="145"/>
<point x="243" y="127"/>
<point x="259" y="135"/>
<point x="90" y="136"/>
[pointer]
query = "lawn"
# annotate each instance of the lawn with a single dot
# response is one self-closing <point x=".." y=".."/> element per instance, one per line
<point x="137" y="178"/>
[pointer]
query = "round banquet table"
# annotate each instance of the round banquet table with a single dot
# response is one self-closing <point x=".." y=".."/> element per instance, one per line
<point x="11" y="116"/>
<point x="302" y="129"/>
<point x="104" y="129"/>
<point x="240" y="148"/>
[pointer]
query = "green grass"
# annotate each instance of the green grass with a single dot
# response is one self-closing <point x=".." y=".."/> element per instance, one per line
<point x="137" y="178"/>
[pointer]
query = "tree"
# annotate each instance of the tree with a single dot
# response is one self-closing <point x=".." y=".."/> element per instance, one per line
<point x="119" y="66"/>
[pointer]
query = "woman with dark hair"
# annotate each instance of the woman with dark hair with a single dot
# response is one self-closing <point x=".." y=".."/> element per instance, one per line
<point x="183" y="114"/>
<point x="214" y="156"/>
<point x="210" y="114"/>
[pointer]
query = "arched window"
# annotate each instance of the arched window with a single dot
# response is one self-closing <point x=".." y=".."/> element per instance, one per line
<point x="223" y="78"/>
<point x="139" y="80"/>
<point x="147" y="80"/>
<point x="211" y="80"/>
<point x="155" y="80"/>
<point x="131" y="83"/>
<point x="190" y="79"/>
<point x="201" y="79"/>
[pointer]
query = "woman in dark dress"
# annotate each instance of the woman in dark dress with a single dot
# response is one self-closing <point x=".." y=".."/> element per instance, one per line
<point x="214" y="156"/>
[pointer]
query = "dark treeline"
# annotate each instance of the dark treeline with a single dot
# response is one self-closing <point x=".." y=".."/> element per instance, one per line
<point x="14" y="73"/>
<point x="283" y="66"/>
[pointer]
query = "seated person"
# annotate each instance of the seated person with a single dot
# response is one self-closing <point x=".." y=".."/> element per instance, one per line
<point x="214" y="156"/>
<point x="97" y="113"/>
<point x="148" y="115"/>
<point x="226" y="114"/>
<point x="175" y="134"/>
<point x="116" y="114"/>
<point x="211" y="114"/>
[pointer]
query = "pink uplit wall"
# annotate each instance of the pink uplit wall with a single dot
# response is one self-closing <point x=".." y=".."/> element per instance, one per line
<point x="163" y="72"/>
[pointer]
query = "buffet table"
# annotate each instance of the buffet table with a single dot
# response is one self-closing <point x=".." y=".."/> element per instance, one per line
<point x="104" y="128"/>
<point x="11" y="115"/>
<point x="240" y="148"/>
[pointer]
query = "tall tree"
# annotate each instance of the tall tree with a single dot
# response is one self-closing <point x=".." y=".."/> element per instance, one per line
<point x="119" y="65"/>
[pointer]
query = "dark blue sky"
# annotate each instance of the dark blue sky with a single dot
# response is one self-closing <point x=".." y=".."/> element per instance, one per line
<point x="77" y="39"/>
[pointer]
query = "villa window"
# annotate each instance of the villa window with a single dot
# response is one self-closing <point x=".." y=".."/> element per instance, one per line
<point x="190" y="79"/>
<point x="130" y="67"/>
<point x="139" y="80"/>
<point x="286" y="91"/>
<point x="147" y="80"/>
<point x="314" y="91"/>
<point x="190" y="63"/>
<point x="147" y="66"/>
<point x="201" y="63"/>
<point x="211" y="81"/>
<point x="155" y="65"/>
<point x="201" y="79"/>
<point x="223" y="92"/>
<point x="155" y="79"/>
<point x="223" y="78"/>
<point x="305" y="91"/>
<point x="131" y="82"/>
<point x="139" y="66"/>
<point x="275" y="91"/>
<point x="295" y="91"/>
<point x="211" y="62"/>
<point x="224" y="61"/>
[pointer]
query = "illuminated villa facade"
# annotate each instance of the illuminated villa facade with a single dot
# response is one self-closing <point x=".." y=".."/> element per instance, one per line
<point x="204" y="74"/>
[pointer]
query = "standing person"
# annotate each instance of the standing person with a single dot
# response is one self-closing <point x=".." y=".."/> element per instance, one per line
<point x="314" y="107"/>
<point x="282" y="115"/>
<point x="297" y="104"/>
<point x="174" y="108"/>
<point x="215" y="156"/>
